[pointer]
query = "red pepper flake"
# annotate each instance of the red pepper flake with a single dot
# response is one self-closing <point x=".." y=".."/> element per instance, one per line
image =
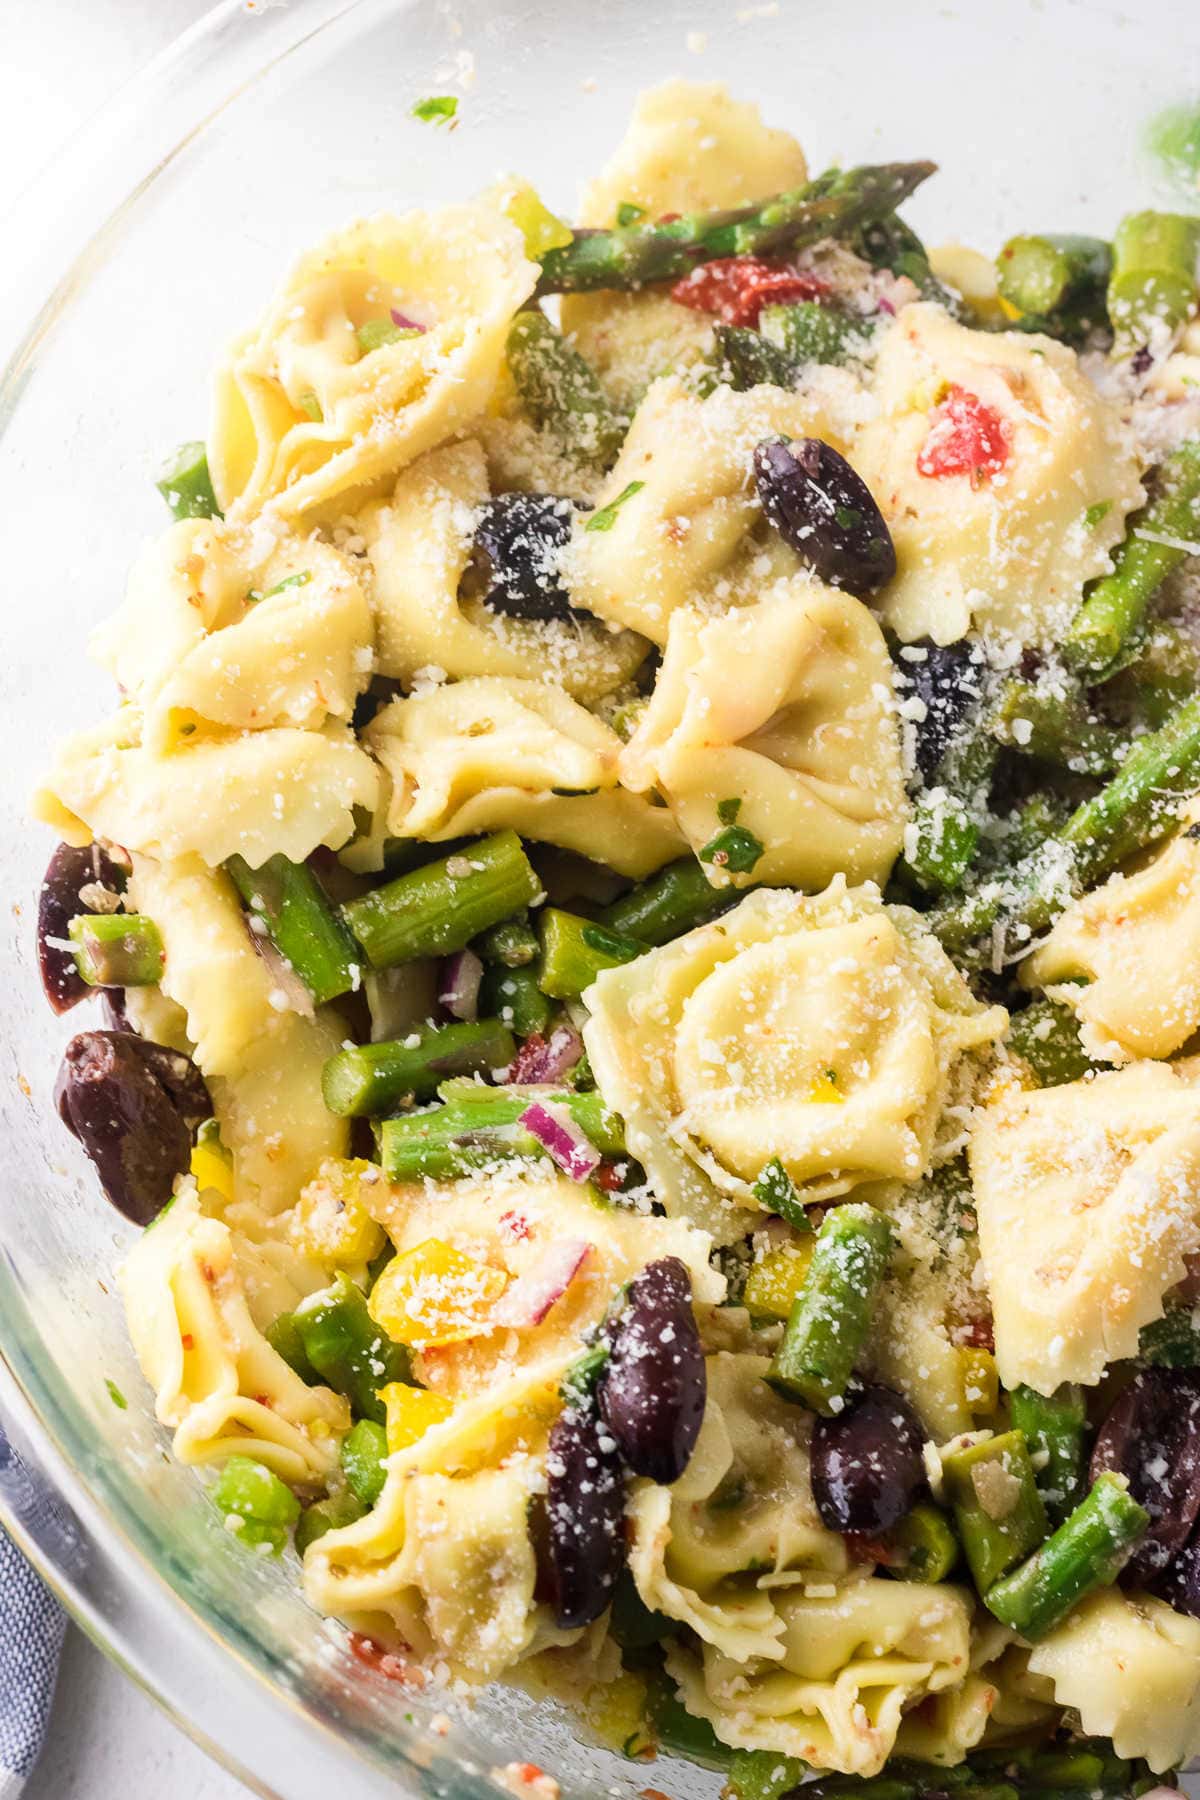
<point x="188" y="1341"/>
<point x="870" y="1550"/>
<point x="736" y="288"/>
<point x="966" y="437"/>
<point x="610" y="1177"/>
<point x="385" y="1662"/>
<point x="515" y="1225"/>
<point x="976" y="1334"/>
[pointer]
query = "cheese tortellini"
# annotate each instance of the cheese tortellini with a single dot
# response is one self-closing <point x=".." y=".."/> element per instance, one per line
<point x="1126" y="958"/>
<point x="1010" y="552"/>
<point x="482" y="754"/>
<point x="307" y="419"/>
<point x="1088" y="1199"/>
<point x="785" y="707"/>
<point x="825" y="1031"/>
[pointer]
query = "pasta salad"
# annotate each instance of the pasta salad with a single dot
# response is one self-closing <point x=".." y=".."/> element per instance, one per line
<point x="645" y="883"/>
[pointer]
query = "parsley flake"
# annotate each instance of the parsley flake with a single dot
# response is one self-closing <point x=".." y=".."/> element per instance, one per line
<point x="436" y="109"/>
<point x="605" y="519"/>
<point x="734" y="849"/>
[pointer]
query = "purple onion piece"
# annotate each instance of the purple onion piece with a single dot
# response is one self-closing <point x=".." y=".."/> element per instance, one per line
<point x="405" y="324"/>
<point x="561" y="1139"/>
<point x="458" y="984"/>
<point x="544" y="1060"/>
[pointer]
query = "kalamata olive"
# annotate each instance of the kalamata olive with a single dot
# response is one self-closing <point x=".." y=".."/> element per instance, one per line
<point x="1179" y="1583"/>
<point x="948" y="679"/>
<point x="824" y="511"/>
<point x="69" y="875"/>
<point x="1152" y="1437"/>
<point x="585" y="1517"/>
<point x="134" y="1107"/>
<point x="522" y="537"/>
<point x="867" y="1466"/>
<point x="653" y="1389"/>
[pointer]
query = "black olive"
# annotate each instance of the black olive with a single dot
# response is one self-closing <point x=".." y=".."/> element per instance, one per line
<point x="521" y="538"/>
<point x="1152" y="1437"/>
<point x="653" y="1389"/>
<point x="824" y="511"/>
<point x="134" y="1107"/>
<point x="584" y="1517"/>
<point x="68" y="873"/>
<point x="948" y="678"/>
<point x="867" y="1466"/>
<point x="1179" y="1583"/>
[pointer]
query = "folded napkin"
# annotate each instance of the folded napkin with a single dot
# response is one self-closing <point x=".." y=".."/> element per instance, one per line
<point x="31" y="1634"/>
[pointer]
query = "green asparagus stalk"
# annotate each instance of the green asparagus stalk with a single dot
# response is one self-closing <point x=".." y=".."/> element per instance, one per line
<point x="1088" y="1551"/>
<point x="830" y="1317"/>
<point x="514" y="997"/>
<point x="288" y="902"/>
<point x="806" y="332"/>
<point x="476" y="1126"/>
<point x="369" y="1080"/>
<point x="1056" y="281"/>
<point x="1172" y="1342"/>
<point x="631" y="1622"/>
<point x="186" y="485"/>
<point x="440" y="907"/>
<point x="831" y="206"/>
<point x="1136" y="807"/>
<point x="1046" y="1036"/>
<point x="1152" y="288"/>
<point x="364" y="1450"/>
<point x="1013" y="835"/>
<point x="330" y="1514"/>
<point x="675" y="900"/>
<point x="746" y="359"/>
<point x="1054" y="1428"/>
<point x="513" y="944"/>
<point x="117" y="949"/>
<point x="947" y="816"/>
<point x="679" y="1732"/>
<point x="285" y="1338"/>
<point x="776" y="1192"/>
<point x="926" y="1544"/>
<point x="560" y="391"/>
<point x="261" y="1505"/>
<point x="764" y="1775"/>
<point x="575" y="950"/>
<point x="1157" y="542"/>
<point x="998" y="1510"/>
<point x="888" y="243"/>
<point x="1056" y="723"/>
<point x="347" y="1348"/>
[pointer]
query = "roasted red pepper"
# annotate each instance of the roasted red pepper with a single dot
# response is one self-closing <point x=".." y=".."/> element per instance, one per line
<point x="966" y="437"/>
<point x="736" y="288"/>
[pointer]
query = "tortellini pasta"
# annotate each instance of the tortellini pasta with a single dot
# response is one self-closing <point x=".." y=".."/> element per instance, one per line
<point x="688" y="463"/>
<point x="419" y="545"/>
<point x="482" y="754"/>
<point x="218" y="1383"/>
<point x="784" y="707"/>
<point x="1011" y="552"/>
<point x="1088" y="1199"/>
<point x="306" y="419"/>
<point x="254" y="794"/>
<point x="853" y="1657"/>
<point x="821" y="1030"/>
<point x="1130" y="1667"/>
<point x="1126" y="958"/>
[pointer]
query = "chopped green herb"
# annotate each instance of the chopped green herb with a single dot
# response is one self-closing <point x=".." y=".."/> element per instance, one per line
<point x="629" y="214"/>
<point x="611" y="943"/>
<point x="436" y="109"/>
<point x="580" y="1377"/>
<point x="775" y="1192"/>
<point x="606" y="517"/>
<point x="847" y="517"/>
<point x="728" y="810"/>
<point x="373" y="334"/>
<point x="1096" y="514"/>
<point x="116" y="1396"/>
<point x="301" y="579"/>
<point x="735" y="849"/>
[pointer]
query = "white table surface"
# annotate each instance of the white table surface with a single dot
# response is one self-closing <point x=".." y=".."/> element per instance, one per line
<point x="60" y="61"/>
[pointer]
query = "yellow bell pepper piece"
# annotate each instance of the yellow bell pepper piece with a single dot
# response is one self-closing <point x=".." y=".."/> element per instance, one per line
<point x="980" y="1379"/>
<point x="825" y="1091"/>
<point x="211" y="1162"/>
<point x="331" y="1221"/>
<point x="775" y="1280"/>
<point x="434" y="1295"/>
<point x="541" y="229"/>
<point x="410" y="1413"/>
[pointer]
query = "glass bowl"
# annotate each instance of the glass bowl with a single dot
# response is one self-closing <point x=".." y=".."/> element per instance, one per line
<point x="159" y="232"/>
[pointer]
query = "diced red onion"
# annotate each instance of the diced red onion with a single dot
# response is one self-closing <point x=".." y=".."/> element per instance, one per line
<point x="561" y="1138"/>
<point x="528" y="1299"/>
<point x="458" y="985"/>
<point x="885" y="306"/>
<point x="546" y="1059"/>
<point x="404" y="324"/>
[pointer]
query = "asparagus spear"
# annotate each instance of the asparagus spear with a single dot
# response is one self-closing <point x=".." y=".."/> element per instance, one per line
<point x="285" y="1338"/>
<point x="1157" y="542"/>
<point x="1056" y="723"/>
<point x="675" y="900"/>
<point x="1046" y="1036"/>
<point x="186" y="485"/>
<point x="513" y="944"/>
<point x="117" y="949"/>
<point x="289" y="903"/>
<point x="368" y="1080"/>
<point x="1056" y="281"/>
<point x="347" y="1349"/>
<point x="364" y="1449"/>
<point x="478" y="1125"/>
<point x="1172" y="1342"/>
<point x="828" y="1323"/>
<point x="576" y="950"/>
<point x="1137" y="806"/>
<point x="746" y="359"/>
<point x="1152" y="288"/>
<point x="809" y="332"/>
<point x="442" y="906"/>
<point x="948" y="813"/>
<point x="513" y="995"/>
<point x="888" y="243"/>
<point x="997" y="1507"/>
<point x="560" y="391"/>
<point x="1053" y="1427"/>
<point x="927" y="1544"/>
<point x="831" y="206"/>
<point x="330" y="1514"/>
<point x="262" y="1506"/>
<point x="1087" y="1551"/>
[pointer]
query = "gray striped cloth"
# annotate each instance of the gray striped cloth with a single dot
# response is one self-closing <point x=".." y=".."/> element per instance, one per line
<point x="31" y="1634"/>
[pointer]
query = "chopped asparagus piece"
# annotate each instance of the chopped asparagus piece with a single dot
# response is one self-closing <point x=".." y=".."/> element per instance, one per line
<point x="629" y="256"/>
<point x="745" y="359"/>
<point x="1054" y="1427"/>
<point x="440" y="907"/>
<point x="477" y="1126"/>
<point x="575" y="950"/>
<point x="675" y="900"/>
<point x="1056" y="281"/>
<point x="1087" y="1551"/>
<point x="364" y="1449"/>
<point x="1046" y="1036"/>
<point x="806" y="331"/>
<point x="331" y="1514"/>
<point x="828" y="1323"/>
<point x="1152" y="289"/>
<point x="998" y="1510"/>
<point x="927" y="1545"/>
<point x="514" y="997"/>
<point x="369" y="1080"/>
<point x="559" y="390"/>
<point x="265" y="1509"/>
<point x="285" y="1338"/>
<point x="1172" y="1342"/>
<point x="888" y="243"/>
<point x="186" y="485"/>
<point x="347" y="1349"/>
<point x="292" y="907"/>
<point x="117" y="949"/>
